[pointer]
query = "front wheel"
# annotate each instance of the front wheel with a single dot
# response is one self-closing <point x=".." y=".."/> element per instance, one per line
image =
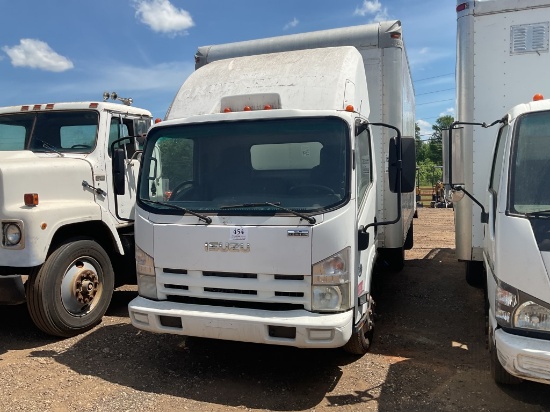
<point x="71" y="291"/>
<point x="361" y="339"/>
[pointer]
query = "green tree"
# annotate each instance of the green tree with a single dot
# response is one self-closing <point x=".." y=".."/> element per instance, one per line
<point x="435" y="145"/>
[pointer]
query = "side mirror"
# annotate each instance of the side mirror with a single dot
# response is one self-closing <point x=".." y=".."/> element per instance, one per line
<point x="362" y="239"/>
<point x="408" y="165"/>
<point x="408" y="153"/>
<point x="119" y="171"/>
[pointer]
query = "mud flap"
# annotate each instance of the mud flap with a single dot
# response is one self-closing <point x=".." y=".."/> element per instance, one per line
<point x="12" y="291"/>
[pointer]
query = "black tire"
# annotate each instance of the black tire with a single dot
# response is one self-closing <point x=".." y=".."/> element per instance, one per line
<point x="360" y="341"/>
<point x="499" y="374"/>
<point x="71" y="291"/>
<point x="409" y="240"/>
<point x="475" y="274"/>
<point x="393" y="259"/>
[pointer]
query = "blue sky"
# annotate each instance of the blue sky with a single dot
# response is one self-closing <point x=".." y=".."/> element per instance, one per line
<point x="72" y="50"/>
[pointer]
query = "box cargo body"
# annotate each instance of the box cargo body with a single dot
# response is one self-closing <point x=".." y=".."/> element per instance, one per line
<point x="502" y="60"/>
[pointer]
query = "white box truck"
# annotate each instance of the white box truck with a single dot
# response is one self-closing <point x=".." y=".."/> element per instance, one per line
<point x="274" y="189"/>
<point x="65" y="231"/>
<point x="503" y="224"/>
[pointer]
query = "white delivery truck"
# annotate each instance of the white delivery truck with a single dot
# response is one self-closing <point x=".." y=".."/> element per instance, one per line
<point x="273" y="192"/>
<point x="504" y="221"/>
<point x="65" y="232"/>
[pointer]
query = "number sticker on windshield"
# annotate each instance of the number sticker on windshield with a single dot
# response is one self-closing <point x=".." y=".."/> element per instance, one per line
<point x="238" y="233"/>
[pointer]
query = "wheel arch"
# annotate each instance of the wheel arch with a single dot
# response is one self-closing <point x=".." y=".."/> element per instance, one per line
<point x="94" y="229"/>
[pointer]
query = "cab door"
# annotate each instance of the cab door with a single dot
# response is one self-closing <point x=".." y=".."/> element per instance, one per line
<point x="493" y="197"/>
<point x="125" y="134"/>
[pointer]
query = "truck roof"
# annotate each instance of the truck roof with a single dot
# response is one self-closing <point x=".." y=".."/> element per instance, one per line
<point x="374" y="35"/>
<point x="498" y="6"/>
<point x="108" y="106"/>
<point x="315" y="79"/>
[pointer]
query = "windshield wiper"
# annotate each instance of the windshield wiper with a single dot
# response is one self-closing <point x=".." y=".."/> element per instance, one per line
<point x="538" y="213"/>
<point x="277" y="205"/>
<point x="204" y="218"/>
<point x="49" y="147"/>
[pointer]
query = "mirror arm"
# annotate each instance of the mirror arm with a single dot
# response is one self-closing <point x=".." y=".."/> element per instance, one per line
<point x="399" y="177"/>
<point x="460" y="186"/>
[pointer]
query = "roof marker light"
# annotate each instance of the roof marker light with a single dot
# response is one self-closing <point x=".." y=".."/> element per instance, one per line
<point x="157" y="120"/>
<point x="94" y="105"/>
<point x="350" y="108"/>
<point x="462" y="7"/>
<point x="37" y="107"/>
<point x="538" y="97"/>
<point x="49" y="106"/>
<point x="24" y="108"/>
<point x="395" y="35"/>
<point x="227" y="110"/>
<point x="268" y="107"/>
<point x="247" y="109"/>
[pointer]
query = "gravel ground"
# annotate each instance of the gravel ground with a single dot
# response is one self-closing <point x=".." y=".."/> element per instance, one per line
<point x="429" y="354"/>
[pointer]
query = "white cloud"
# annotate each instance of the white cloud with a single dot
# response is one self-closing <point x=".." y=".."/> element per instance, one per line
<point x="292" y="24"/>
<point x="37" y="54"/>
<point x="161" y="16"/>
<point x="449" y="112"/>
<point x="372" y="9"/>
<point x="425" y="57"/>
<point x="425" y="129"/>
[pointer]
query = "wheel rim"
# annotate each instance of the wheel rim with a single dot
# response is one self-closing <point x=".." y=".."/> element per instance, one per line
<point x="82" y="286"/>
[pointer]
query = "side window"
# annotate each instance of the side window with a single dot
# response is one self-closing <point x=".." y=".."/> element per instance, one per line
<point x="496" y="168"/>
<point x="116" y="131"/>
<point x="363" y="163"/>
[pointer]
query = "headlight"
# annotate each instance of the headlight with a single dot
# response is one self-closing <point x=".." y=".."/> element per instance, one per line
<point x="331" y="284"/>
<point x="532" y="316"/>
<point x="145" y="269"/>
<point x="11" y="234"/>
<point x="517" y="309"/>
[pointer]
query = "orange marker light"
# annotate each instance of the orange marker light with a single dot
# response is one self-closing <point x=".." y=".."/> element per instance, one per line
<point x="93" y="105"/>
<point x="37" y="107"/>
<point x="537" y="97"/>
<point x="30" y="199"/>
<point x="157" y="120"/>
<point x="227" y="110"/>
<point x="247" y="109"/>
<point x="350" y="108"/>
<point x="24" y="108"/>
<point x="267" y="107"/>
<point x="49" y="106"/>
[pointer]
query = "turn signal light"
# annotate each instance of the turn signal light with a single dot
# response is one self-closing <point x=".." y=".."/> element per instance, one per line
<point x="30" y="199"/>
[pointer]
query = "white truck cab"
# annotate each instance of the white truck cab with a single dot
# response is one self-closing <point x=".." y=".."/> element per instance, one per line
<point x="516" y="248"/>
<point x="64" y="230"/>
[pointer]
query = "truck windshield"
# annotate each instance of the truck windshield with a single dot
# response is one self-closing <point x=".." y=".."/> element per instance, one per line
<point x="54" y="131"/>
<point x="300" y="164"/>
<point x="530" y="170"/>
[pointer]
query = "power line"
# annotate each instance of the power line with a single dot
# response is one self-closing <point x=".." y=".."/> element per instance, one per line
<point x="436" y="101"/>
<point x="433" y="77"/>
<point x="436" y="91"/>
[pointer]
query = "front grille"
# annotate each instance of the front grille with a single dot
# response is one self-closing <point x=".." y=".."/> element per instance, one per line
<point x="237" y="289"/>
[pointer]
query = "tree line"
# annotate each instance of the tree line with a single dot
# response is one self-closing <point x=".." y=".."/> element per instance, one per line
<point x="429" y="157"/>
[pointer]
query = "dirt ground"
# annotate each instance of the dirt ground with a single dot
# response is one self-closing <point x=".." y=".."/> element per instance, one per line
<point x="429" y="354"/>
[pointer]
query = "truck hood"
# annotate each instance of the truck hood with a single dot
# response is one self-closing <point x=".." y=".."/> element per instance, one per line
<point x="53" y="178"/>
<point x="284" y="250"/>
